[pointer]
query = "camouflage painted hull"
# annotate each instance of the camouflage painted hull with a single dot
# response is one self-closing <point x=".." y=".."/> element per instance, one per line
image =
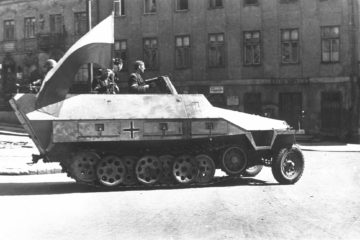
<point x="152" y="126"/>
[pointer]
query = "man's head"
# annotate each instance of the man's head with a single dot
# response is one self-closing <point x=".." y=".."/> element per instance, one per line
<point x="117" y="64"/>
<point x="49" y="64"/>
<point x="139" y="66"/>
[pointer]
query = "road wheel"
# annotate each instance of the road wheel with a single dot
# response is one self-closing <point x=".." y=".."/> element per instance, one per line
<point x="148" y="170"/>
<point x="206" y="167"/>
<point x="288" y="165"/>
<point x="185" y="169"/>
<point x="253" y="171"/>
<point x="234" y="160"/>
<point x="83" y="166"/>
<point x="111" y="171"/>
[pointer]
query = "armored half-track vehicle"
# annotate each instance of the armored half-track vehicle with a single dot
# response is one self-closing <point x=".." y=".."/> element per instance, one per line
<point x="162" y="138"/>
<point x="128" y="139"/>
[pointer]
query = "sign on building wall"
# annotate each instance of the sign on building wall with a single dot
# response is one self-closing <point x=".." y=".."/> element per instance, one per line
<point x="290" y="81"/>
<point x="9" y="46"/>
<point x="216" y="89"/>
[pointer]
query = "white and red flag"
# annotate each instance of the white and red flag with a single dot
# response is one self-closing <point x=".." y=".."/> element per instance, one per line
<point x="94" y="47"/>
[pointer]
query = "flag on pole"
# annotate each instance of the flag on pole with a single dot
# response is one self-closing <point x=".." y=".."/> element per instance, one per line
<point x="94" y="47"/>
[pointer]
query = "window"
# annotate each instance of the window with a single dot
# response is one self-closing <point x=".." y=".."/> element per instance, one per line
<point x="182" y="51"/>
<point x="151" y="55"/>
<point x="290" y="46"/>
<point x="56" y="23"/>
<point x="216" y="54"/>
<point x="251" y="2"/>
<point x="119" y="7"/>
<point x="80" y="23"/>
<point x="215" y="4"/>
<point x="81" y="77"/>
<point x="182" y="5"/>
<point x="9" y="30"/>
<point x="252" y="49"/>
<point x="330" y="44"/>
<point x="30" y="31"/>
<point x="150" y="6"/>
<point x="121" y="51"/>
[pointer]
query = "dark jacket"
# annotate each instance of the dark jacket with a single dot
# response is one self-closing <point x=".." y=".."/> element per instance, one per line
<point x="137" y="84"/>
<point x="105" y="82"/>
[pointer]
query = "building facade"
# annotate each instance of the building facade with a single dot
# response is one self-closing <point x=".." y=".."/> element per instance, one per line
<point x="295" y="60"/>
<point x="32" y="31"/>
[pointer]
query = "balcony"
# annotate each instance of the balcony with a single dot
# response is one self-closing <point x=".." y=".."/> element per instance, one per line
<point x="47" y="41"/>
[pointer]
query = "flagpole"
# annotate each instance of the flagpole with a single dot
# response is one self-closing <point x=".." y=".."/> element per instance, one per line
<point x="113" y="45"/>
<point x="90" y="65"/>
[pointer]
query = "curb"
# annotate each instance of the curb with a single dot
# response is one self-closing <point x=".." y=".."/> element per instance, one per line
<point x="12" y="133"/>
<point x="25" y="169"/>
<point x="10" y="129"/>
<point x="15" y="172"/>
<point x="335" y="148"/>
<point x="324" y="150"/>
<point x="33" y="169"/>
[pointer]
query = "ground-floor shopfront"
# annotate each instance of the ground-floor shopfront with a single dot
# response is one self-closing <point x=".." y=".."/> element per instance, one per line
<point x="323" y="107"/>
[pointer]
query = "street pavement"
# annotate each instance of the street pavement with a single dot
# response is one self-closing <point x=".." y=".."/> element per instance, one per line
<point x="323" y="205"/>
<point x="16" y="149"/>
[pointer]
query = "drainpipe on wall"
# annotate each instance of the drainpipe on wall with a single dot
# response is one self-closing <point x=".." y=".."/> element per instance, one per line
<point x="354" y="41"/>
<point x="90" y="65"/>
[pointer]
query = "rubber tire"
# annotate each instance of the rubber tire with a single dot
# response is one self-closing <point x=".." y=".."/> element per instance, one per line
<point x="228" y="171"/>
<point x="276" y="165"/>
<point x="249" y="172"/>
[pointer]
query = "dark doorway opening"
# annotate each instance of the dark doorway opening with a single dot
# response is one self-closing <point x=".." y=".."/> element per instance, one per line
<point x="331" y="112"/>
<point x="290" y="108"/>
<point x="252" y="103"/>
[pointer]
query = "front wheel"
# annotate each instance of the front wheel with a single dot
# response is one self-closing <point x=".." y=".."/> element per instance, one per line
<point x="288" y="165"/>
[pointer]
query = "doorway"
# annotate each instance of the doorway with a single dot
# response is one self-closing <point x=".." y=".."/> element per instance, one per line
<point x="331" y="112"/>
<point x="252" y="103"/>
<point x="290" y="108"/>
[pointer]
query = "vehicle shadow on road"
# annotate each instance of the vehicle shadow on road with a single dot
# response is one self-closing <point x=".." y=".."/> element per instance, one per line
<point x="13" y="189"/>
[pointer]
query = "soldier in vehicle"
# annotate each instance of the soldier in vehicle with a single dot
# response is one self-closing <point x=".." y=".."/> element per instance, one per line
<point x="105" y="79"/>
<point x="136" y="83"/>
<point x="49" y="64"/>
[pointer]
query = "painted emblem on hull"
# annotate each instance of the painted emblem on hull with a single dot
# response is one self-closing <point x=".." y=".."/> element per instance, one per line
<point x="132" y="130"/>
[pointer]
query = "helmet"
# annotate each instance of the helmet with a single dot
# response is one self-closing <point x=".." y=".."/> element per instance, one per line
<point x="50" y="63"/>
